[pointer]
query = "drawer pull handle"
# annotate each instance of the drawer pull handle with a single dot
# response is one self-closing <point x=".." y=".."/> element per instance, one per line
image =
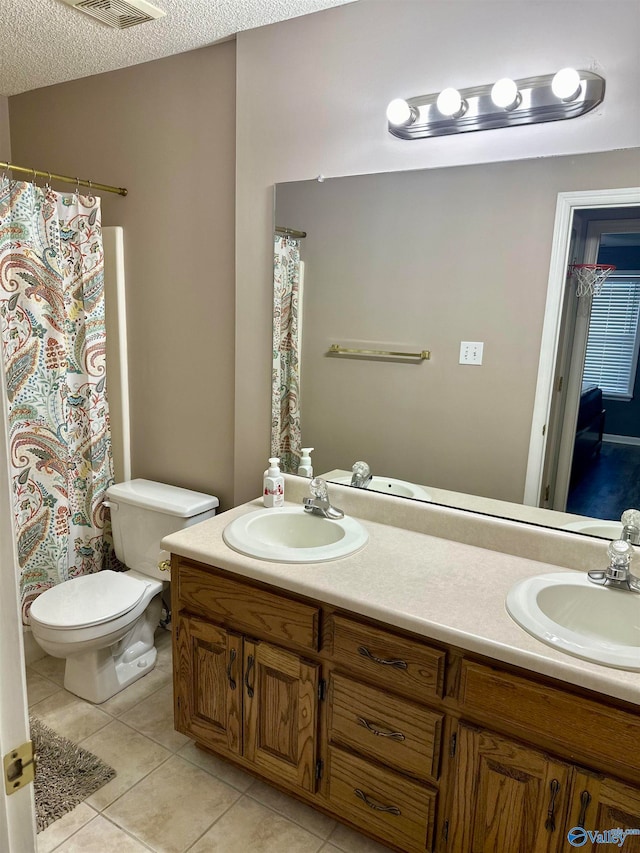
<point x="396" y="664"/>
<point x="232" y="681"/>
<point x="374" y="731"/>
<point x="585" y="799"/>
<point x="250" y="663"/>
<point x="389" y="809"/>
<point x="550" y="822"/>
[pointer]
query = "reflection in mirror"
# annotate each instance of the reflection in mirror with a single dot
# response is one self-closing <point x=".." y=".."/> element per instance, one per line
<point x="442" y="261"/>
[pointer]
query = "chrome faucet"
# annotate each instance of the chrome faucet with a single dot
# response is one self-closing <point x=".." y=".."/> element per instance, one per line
<point x="631" y="530"/>
<point x="631" y="533"/>
<point x="361" y="475"/>
<point x="319" y="503"/>
<point x="617" y="573"/>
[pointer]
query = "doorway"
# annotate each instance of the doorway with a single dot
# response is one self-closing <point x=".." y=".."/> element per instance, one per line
<point x="603" y="477"/>
<point x="564" y="341"/>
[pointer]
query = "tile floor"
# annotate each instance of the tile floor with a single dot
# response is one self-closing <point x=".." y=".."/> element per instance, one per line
<point x="168" y="796"/>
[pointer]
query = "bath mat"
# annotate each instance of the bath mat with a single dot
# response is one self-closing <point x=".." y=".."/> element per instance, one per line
<point x="66" y="774"/>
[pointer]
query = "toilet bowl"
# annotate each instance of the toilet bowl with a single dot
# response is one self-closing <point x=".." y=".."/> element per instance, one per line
<point x="104" y="623"/>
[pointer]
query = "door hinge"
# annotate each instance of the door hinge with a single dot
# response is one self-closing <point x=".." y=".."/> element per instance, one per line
<point x="19" y="767"/>
<point x="319" y="768"/>
<point x="322" y="689"/>
<point x="453" y="744"/>
<point x="544" y="429"/>
<point x="547" y="492"/>
<point x="560" y="383"/>
<point x="445" y="831"/>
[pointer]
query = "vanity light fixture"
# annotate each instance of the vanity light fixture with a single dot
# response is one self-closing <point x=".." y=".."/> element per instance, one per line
<point x="451" y="104"/>
<point x="550" y="97"/>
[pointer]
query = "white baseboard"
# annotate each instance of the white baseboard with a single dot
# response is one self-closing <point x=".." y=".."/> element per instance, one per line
<point x="622" y="439"/>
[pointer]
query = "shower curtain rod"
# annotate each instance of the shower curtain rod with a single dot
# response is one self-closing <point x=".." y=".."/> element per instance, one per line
<point x="290" y="232"/>
<point x="37" y="173"/>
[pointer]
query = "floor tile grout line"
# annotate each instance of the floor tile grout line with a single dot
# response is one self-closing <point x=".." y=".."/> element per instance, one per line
<point x="71" y="834"/>
<point x="99" y="814"/>
<point x="131" y="787"/>
<point x="213" y="823"/>
<point x="288" y="817"/>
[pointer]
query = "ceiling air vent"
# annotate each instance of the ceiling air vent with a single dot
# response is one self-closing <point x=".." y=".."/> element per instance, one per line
<point x="120" y="14"/>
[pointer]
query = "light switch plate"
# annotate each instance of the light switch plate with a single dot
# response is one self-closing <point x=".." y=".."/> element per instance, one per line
<point x="471" y="352"/>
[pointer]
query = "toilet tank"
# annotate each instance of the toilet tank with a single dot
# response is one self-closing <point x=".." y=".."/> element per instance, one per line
<point x="143" y="512"/>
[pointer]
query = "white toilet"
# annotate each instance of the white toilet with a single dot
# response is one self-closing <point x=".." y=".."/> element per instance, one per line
<point x="104" y="623"/>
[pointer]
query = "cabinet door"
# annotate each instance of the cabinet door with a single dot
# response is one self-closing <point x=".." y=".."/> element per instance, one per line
<point x="507" y="797"/>
<point x="600" y="804"/>
<point x="208" y="684"/>
<point x="281" y="713"/>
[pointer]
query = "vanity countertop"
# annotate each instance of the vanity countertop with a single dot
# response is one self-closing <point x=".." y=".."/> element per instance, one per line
<point x="444" y="590"/>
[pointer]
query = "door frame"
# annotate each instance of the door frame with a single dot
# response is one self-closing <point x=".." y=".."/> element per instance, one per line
<point x="567" y="204"/>
<point x="561" y="477"/>
<point x="17" y="811"/>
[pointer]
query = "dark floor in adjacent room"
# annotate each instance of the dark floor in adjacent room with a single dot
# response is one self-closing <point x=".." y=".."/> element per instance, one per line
<point x="610" y="485"/>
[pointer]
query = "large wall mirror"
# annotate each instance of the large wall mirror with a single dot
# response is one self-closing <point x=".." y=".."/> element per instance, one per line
<point x="439" y="261"/>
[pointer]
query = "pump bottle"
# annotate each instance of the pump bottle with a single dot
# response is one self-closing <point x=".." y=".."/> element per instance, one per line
<point x="305" y="468"/>
<point x="273" y="484"/>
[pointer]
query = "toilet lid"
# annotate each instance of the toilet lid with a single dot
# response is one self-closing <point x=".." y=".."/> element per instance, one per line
<point x="88" y="600"/>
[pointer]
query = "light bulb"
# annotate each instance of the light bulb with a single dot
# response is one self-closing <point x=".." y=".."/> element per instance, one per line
<point x="450" y="103"/>
<point x="504" y="94"/>
<point x="566" y="84"/>
<point x="399" y="112"/>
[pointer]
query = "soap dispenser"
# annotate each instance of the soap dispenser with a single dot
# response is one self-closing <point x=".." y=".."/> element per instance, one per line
<point x="273" y="484"/>
<point x="305" y="468"/>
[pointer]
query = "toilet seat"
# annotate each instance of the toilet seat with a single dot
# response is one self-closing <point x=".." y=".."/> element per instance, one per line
<point x="88" y="600"/>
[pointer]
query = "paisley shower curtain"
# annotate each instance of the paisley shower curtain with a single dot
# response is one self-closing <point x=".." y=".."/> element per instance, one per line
<point x="53" y="358"/>
<point x="285" y="375"/>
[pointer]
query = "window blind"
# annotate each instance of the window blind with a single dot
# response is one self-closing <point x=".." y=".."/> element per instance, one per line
<point x="612" y="346"/>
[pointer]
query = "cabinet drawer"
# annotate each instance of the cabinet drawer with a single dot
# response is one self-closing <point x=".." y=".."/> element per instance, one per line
<point x="582" y="726"/>
<point x="387" y="659"/>
<point x="395" y="809"/>
<point x="268" y="615"/>
<point x="399" y="733"/>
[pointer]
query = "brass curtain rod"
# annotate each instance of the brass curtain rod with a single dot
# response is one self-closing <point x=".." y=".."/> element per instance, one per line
<point x="37" y="173"/>
<point x="290" y="232"/>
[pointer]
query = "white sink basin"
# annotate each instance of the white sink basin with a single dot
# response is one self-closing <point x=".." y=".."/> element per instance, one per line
<point x="389" y="486"/>
<point x="568" y="611"/>
<point x="606" y="529"/>
<point x="291" y="535"/>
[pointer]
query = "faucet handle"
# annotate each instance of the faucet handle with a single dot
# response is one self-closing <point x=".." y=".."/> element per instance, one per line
<point x="319" y="489"/>
<point x="361" y="470"/>
<point x="620" y="552"/>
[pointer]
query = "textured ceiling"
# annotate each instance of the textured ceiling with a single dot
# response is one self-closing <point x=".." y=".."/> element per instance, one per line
<point x="45" y="41"/>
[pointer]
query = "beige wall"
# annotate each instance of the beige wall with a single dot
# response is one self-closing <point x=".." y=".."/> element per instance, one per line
<point x="166" y="131"/>
<point x="5" y="140"/>
<point x="311" y="97"/>
<point x="424" y="260"/>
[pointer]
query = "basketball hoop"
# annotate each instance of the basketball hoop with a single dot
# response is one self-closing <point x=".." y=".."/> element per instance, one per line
<point x="590" y="277"/>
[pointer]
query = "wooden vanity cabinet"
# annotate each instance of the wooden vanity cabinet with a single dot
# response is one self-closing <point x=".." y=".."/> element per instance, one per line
<point x="383" y="742"/>
<point x="506" y="796"/>
<point x="354" y="718"/>
<point x="241" y="696"/>
<point x="511" y="797"/>
<point x="599" y="802"/>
